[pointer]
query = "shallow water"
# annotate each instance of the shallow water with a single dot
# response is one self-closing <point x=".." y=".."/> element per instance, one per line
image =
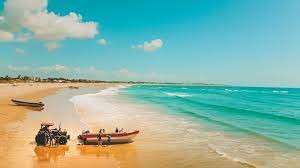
<point x="164" y="141"/>
<point x="259" y="126"/>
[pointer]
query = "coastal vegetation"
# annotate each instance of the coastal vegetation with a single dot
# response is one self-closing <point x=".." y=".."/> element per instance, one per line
<point x="32" y="79"/>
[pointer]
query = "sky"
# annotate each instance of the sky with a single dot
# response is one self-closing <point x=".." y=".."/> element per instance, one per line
<point x="249" y="42"/>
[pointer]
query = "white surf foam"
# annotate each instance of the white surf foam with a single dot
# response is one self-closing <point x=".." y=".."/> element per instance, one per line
<point x="177" y="94"/>
<point x="230" y="90"/>
<point x="228" y="156"/>
<point x="90" y="106"/>
<point x="280" y="91"/>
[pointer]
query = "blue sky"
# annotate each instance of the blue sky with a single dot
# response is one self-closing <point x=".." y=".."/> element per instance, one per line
<point x="249" y="42"/>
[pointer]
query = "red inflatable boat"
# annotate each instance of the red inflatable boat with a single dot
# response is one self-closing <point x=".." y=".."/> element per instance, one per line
<point x="111" y="138"/>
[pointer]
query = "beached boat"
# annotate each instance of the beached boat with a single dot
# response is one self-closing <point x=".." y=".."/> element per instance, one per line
<point x="27" y="103"/>
<point x="112" y="138"/>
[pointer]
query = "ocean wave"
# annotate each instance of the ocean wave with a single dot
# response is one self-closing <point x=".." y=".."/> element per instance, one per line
<point x="110" y="91"/>
<point x="280" y="91"/>
<point x="231" y="90"/>
<point x="177" y="94"/>
<point x="238" y="135"/>
<point x="257" y="91"/>
<point x="235" y="127"/>
<point x="105" y="92"/>
<point x="235" y="159"/>
<point x="222" y="108"/>
<point x="88" y="106"/>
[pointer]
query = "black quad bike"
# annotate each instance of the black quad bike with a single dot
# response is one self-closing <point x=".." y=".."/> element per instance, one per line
<point x="48" y="136"/>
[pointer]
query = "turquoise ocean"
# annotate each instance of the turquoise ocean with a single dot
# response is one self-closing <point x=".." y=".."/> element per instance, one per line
<point x="269" y="115"/>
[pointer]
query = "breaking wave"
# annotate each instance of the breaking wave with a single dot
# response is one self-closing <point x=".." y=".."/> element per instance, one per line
<point x="177" y="94"/>
<point x="280" y="91"/>
<point x="89" y="106"/>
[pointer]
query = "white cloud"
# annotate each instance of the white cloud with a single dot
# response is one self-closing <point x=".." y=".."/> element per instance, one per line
<point x="23" y="37"/>
<point x="20" y="51"/>
<point x="16" y="68"/>
<point x="1" y="19"/>
<point x="88" y="71"/>
<point x="60" y="68"/>
<point x="49" y="26"/>
<point x="102" y="41"/>
<point x="51" y="46"/>
<point x="71" y="71"/>
<point x="32" y="16"/>
<point x="93" y="71"/>
<point x="125" y="74"/>
<point x="15" y="11"/>
<point x="54" y="68"/>
<point x="57" y="71"/>
<point x="151" y="46"/>
<point x="6" y="36"/>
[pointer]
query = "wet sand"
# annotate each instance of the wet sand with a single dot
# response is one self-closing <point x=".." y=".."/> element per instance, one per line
<point x="17" y="148"/>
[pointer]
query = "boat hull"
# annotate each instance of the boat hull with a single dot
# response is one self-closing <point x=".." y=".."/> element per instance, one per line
<point x="27" y="103"/>
<point x="114" y="138"/>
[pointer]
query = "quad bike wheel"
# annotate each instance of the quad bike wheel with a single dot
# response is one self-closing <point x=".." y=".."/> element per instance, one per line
<point x="62" y="140"/>
<point x="42" y="139"/>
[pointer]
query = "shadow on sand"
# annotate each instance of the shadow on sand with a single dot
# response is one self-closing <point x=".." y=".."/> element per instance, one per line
<point x="29" y="108"/>
<point x="50" y="153"/>
<point x="125" y="154"/>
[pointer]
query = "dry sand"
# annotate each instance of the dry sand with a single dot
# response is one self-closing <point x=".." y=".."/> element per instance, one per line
<point x="30" y="91"/>
<point x="8" y="111"/>
<point x="11" y="115"/>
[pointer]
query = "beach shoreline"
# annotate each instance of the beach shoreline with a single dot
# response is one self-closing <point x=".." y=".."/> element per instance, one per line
<point x="17" y="127"/>
<point x="31" y="91"/>
<point x="142" y="153"/>
<point x="158" y="131"/>
<point x="146" y="151"/>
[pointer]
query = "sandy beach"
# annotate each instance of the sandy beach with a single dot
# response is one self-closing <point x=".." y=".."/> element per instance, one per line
<point x="30" y="91"/>
<point x="12" y="114"/>
<point x="149" y="84"/>
<point x="9" y="112"/>
<point x="19" y="125"/>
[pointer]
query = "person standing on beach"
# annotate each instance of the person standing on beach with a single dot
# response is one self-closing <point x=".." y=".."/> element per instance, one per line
<point x="99" y="138"/>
